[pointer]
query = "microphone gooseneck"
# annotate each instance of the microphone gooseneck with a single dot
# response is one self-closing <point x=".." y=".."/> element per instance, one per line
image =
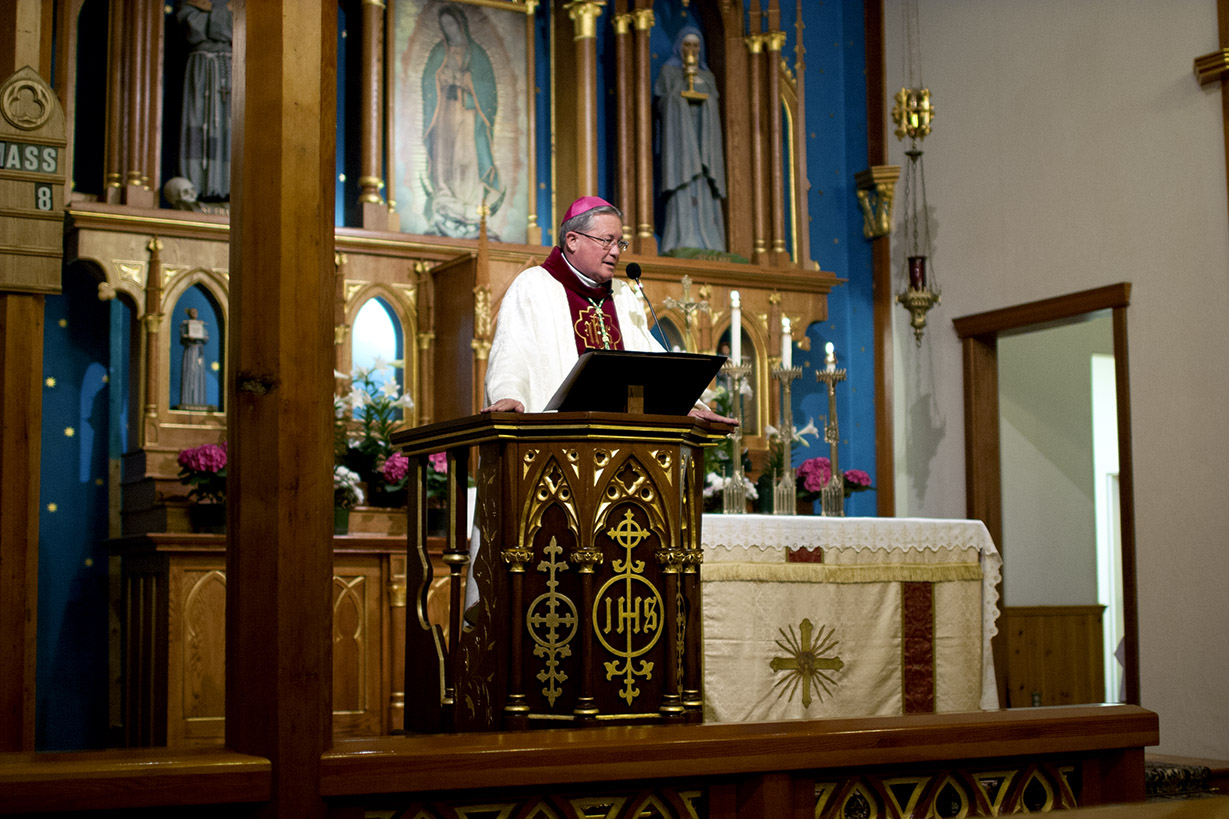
<point x="633" y="273"/>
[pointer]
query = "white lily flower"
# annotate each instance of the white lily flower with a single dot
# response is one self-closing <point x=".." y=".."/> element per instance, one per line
<point x="746" y="390"/>
<point x="340" y="374"/>
<point x="359" y="398"/>
<point x="404" y="401"/>
<point x="390" y="388"/>
<point x="772" y="431"/>
<point x="379" y="365"/>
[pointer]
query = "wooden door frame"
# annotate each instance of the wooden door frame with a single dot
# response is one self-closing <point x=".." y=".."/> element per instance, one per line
<point x="978" y="335"/>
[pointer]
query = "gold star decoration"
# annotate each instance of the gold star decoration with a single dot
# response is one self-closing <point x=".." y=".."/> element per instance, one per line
<point x="69" y="432"/>
<point x="51" y="507"/>
<point x="89" y="561"/>
<point x="106" y="379"/>
<point x="49" y="381"/>
<point x="215" y="366"/>
<point x="98" y="481"/>
<point x="63" y="322"/>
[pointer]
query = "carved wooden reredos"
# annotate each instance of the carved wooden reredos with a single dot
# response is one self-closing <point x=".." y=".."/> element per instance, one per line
<point x="443" y="292"/>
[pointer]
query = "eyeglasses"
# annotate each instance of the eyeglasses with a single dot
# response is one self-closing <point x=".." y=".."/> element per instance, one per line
<point x="606" y="243"/>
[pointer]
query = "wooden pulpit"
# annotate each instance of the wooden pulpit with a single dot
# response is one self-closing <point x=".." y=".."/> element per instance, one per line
<point x="586" y="570"/>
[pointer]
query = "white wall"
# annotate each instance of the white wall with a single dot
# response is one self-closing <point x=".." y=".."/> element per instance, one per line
<point x="1073" y="148"/>
<point x="1046" y="436"/>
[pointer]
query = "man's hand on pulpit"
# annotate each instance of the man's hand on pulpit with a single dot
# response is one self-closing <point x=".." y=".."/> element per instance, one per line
<point x="708" y="415"/>
<point x="505" y="405"/>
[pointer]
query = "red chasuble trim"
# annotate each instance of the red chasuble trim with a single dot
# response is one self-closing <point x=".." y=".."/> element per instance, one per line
<point x="587" y="319"/>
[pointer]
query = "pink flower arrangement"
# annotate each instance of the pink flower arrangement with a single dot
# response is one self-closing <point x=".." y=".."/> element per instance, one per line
<point x="439" y="462"/>
<point x="203" y="468"/>
<point x="395" y="468"/>
<point x="813" y="475"/>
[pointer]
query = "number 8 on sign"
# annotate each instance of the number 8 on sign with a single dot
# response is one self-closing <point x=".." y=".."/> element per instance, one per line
<point x="42" y="197"/>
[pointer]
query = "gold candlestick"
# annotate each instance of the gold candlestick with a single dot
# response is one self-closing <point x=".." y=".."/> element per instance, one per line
<point x="832" y="498"/>
<point x="784" y="489"/>
<point x="734" y="494"/>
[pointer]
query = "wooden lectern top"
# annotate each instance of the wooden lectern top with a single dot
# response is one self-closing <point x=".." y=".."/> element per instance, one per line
<point x="488" y="427"/>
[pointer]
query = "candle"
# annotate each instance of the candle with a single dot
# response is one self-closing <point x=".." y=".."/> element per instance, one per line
<point x="830" y="357"/>
<point x="736" y="328"/>
<point x="787" y="344"/>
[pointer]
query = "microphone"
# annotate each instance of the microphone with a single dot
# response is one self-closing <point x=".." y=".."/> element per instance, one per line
<point x="633" y="273"/>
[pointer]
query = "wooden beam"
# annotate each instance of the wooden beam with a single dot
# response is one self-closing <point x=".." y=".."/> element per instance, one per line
<point x="279" y="557"/>
<point x="882" y="298"/>
<point x="21" y="404"/>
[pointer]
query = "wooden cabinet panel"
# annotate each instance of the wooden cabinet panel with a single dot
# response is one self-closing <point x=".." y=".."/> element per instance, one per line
<point x="174" y="636"/>
<point x="1054" y="655"/>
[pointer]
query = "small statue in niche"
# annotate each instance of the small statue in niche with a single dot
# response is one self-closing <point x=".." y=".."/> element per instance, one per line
<point x="204" y="128"/>
<point x="193" y="336"/>
<point x="692" y="157"/>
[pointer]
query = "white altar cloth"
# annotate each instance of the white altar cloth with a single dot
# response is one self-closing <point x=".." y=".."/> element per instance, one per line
<point x="841" y="637"/>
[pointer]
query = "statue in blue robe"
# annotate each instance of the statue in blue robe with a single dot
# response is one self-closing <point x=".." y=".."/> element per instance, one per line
<point x="692" y="159"/>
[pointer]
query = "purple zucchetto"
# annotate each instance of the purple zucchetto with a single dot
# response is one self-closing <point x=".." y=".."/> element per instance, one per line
<point x="585" y="204"/>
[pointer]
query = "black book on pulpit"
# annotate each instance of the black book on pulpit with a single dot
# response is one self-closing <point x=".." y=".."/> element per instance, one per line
<point x="641" y="383"/>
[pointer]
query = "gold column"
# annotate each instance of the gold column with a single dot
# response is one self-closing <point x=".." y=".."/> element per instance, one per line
<point x="424" y="400"/>
<point x="152" y="24"/>
<point x="623" y="127"/>
<point x="645" y="243"/>
<point x="584" y="14"/>
<point x="775" y="40"/>
<point x="115" y="98"/>
<point x="153" y="338"/>
<point x="371" y="138"/>
<point x="755" y="60"/>
<point x="340" y="329"/>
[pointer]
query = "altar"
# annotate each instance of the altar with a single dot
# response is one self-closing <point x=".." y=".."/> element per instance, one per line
<point x="813" y="617"/>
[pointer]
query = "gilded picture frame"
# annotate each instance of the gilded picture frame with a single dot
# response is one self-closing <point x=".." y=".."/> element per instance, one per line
<point x="460" y="114"/>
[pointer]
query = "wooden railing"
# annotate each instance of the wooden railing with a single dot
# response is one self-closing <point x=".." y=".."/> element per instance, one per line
<point x="1063" y="757"/>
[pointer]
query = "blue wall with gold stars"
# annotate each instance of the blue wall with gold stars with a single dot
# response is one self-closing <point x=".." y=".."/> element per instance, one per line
<point x="77" y="441"/>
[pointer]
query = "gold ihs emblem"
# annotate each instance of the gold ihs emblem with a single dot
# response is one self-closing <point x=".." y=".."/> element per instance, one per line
<point x="596" y="329"/>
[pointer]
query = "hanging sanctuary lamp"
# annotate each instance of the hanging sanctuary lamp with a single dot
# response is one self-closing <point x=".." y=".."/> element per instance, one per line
<point x="912" y="114"/>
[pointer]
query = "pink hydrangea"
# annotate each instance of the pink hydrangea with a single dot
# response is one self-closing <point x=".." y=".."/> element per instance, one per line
<point x="815" y="473"/>
<point x="857" y="477"/>
<point x="395" y="467"/>
<point x="204" y="458"/>
<point x="439" y="462"/>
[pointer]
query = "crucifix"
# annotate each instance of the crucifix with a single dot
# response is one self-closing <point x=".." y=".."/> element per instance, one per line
<point x="688" y="308"/>
<point x="1214" y="67"/>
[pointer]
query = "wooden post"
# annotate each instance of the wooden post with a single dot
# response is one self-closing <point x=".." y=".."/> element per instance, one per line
<point x="774" y="40"/>
<point x="883" y="300"/>
<point x="625" y="104"/>
<point x="646" y="244"/>
<point x="21" y="405"/>
<point x="584" y="14"/>
<point x="371" y="126"/>
<point x="759" y="205"/>
<point x="279" y="561"/>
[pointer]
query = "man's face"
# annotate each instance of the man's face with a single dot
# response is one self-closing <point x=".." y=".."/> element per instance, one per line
<point x="588" y="255"/>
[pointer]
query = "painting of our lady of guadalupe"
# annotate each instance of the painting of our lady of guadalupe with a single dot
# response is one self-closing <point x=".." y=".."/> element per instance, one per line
<point x="459" y="119"/>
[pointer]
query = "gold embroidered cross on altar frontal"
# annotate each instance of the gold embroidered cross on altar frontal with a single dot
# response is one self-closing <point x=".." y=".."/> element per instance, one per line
<point x="806" y="664"/>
